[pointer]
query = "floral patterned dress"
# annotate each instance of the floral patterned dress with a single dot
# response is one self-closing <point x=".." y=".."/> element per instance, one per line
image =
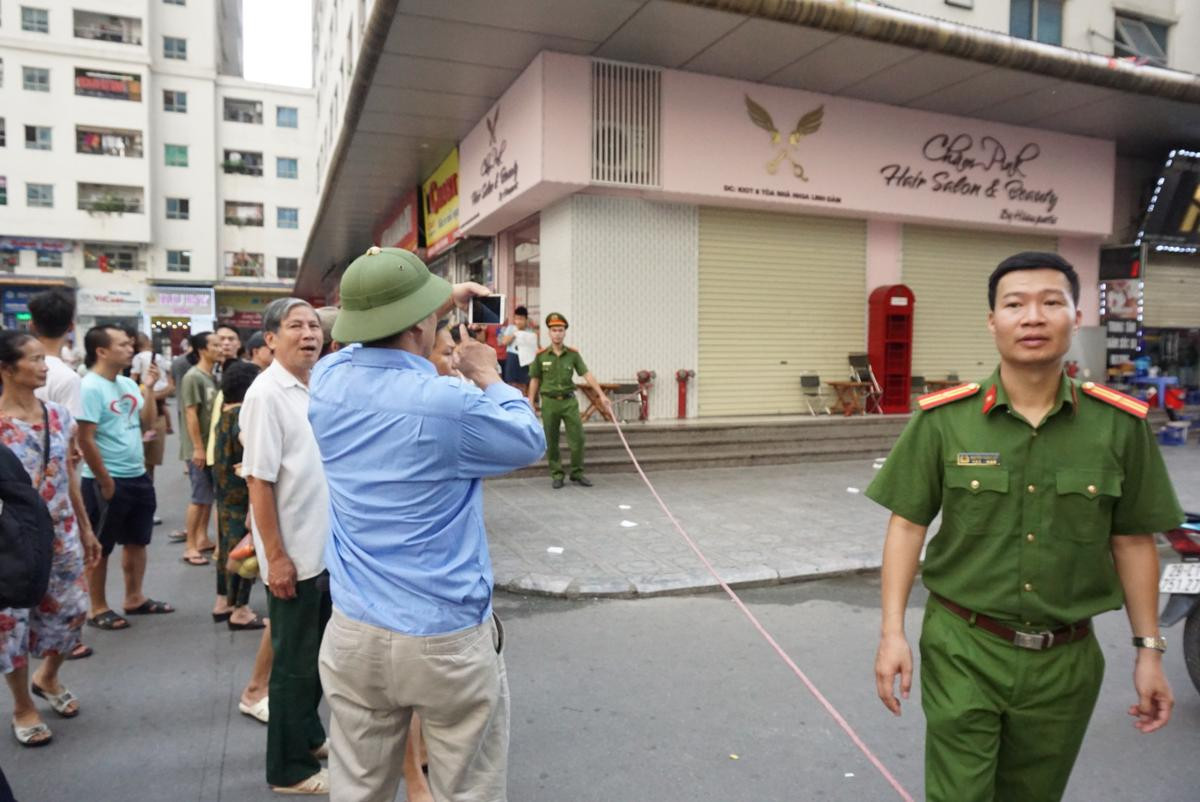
<point x="233" y="502"/>
<point x="53" y="626"/>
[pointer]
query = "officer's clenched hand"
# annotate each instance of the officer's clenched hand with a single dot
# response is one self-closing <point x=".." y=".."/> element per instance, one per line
<point x="1155" y="701"/>
<point x="475" y="361"/>
<point x="894" y="657"/>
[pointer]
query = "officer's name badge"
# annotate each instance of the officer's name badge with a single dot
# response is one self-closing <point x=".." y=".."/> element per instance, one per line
<point x="983" y="458"/>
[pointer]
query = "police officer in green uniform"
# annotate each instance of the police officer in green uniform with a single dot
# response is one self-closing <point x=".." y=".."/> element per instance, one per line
<point x="1049" y="490"/>
<point x="553" y="373"/>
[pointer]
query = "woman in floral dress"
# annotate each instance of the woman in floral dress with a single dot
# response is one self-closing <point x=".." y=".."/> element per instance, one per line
<point x="233" y="498"/>
<point x="51" y="629"/>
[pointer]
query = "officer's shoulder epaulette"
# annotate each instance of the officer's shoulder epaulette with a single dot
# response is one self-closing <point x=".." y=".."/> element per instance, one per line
<point x="544" y="350"/>
<point x="1125" y="403"/>
<point x="936" y="399"/>
<point x="573" y="350"/>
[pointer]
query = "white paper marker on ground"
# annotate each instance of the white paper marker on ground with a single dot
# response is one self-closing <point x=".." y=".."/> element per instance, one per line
<point x="628" y="524"/>
<point x="624" y="507"/>
<point x="853" y="490"/>
<point x="555" y="549"/>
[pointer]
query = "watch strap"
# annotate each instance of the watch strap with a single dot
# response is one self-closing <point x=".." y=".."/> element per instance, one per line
<point x="1158" y="644"/>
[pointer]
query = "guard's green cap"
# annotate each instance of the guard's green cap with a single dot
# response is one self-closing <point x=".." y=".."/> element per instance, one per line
<point x="384" y="292"/>
<point x="555" y="319"/>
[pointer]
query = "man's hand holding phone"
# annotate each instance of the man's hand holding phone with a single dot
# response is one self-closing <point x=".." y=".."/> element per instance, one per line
<point x="475" y="361"/>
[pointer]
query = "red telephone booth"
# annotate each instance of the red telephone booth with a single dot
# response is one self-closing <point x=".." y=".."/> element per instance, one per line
<point x="889" y="344"/>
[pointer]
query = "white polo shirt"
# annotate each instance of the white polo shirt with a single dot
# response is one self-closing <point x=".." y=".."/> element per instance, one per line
<point x="280" y="448"/>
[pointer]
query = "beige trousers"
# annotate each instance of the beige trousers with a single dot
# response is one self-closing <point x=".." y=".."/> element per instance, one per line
<point x="375" y="679"/>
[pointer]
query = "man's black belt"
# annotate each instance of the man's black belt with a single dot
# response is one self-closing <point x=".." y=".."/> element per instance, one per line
<point x="1024" y="640"/>
<point x="563" y="397"/>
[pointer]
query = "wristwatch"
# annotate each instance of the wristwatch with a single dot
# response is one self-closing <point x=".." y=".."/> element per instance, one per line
<point x="1158" y="644"/>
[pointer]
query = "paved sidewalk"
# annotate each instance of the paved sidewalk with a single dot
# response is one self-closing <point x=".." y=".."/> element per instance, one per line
<point x="758" y="525"/>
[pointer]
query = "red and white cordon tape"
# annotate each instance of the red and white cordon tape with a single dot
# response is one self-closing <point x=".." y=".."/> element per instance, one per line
<point x="820" y="697"/>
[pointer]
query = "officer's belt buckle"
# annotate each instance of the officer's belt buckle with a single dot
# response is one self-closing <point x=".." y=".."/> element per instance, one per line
<point x="1035" y="641"/>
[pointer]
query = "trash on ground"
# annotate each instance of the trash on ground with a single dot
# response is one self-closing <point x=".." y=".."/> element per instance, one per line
<point x="628" y="524"/>
<point x="854" y="490"/>
<point x="555" y="549"/>
<point x="624" y="507"/>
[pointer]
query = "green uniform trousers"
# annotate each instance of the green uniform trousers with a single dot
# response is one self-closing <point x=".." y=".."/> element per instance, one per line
<point x="294" y="727"/>
<point x="565" y="411"/>
<point x="1003" y="724"/>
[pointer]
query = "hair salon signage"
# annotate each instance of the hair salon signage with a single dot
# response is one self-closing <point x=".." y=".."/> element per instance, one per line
<point x="874" y="160"/>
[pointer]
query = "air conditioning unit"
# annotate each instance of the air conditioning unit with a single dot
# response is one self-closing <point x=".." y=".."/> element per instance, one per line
<point x="624" y="153"/>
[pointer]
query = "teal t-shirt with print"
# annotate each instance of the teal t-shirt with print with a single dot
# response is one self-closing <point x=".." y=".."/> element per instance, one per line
<point x="115" y="407"/>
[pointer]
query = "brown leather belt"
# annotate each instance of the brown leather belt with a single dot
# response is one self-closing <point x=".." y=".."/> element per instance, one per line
<point x="1037" y="641"/>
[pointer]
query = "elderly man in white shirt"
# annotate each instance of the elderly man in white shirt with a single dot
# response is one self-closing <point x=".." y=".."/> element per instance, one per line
<point x="289" y="509"/>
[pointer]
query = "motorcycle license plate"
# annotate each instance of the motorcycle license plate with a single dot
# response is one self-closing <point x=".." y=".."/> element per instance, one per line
<point x="1180" y="578"/>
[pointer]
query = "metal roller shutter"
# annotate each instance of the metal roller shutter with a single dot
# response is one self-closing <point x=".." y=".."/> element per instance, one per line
<point x="947" y="270"/>
<point x="1171" y="294"/>
<point x="779" y="295"/>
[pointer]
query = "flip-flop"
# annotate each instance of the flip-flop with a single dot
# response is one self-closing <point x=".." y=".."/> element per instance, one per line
<point x="220" y="617"/>
<point x="59" y="702"/>
<point x="209" y="547"/>
<point x="25" y="735"/>
<point x="109" y="620"/>
<point x="197" y="560"/>
<point x="317" y="784"/>
<point x="80" y="652"/>
<point x="257" y="622"/>
<point x="259" y="711"/>
<point x="177" y="537"/>
<point x="150" y="607"/>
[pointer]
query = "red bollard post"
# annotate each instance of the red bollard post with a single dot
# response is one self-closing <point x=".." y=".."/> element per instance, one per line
<point x="682" y="376"/>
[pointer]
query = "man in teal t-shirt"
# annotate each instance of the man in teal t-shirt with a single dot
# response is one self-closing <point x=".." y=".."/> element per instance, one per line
<point x="119" y="495"/>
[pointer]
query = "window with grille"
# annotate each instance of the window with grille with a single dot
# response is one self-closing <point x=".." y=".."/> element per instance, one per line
<point x="107" y="257"/>
<point x="39" y="196"/>
<point x="3" y="135"/>
<point x="49" y="259"/>
<point x="626" y="124"/>
<point x="287" y="168"/>
<point x="176" y="155"/>
<point x="243" y="111"/>
<point x="35" y="79"/>
<point x="37" y="137"/>
<point x="286" y="267"/>
<point x="240" y="214"/>
<point x="3" y="190"/>
<point x="1039" y="20"/>
<point x="287" y="117"/>
<point x="287" y="218"/>
<point x="35" y="20"/>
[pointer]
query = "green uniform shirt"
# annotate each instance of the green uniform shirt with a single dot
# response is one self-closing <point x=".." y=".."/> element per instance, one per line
<point x="1027" y="512"/>
<point x="557" y="371"/>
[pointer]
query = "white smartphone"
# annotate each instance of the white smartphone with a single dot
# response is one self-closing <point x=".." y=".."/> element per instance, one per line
<point x="486" y="310"/>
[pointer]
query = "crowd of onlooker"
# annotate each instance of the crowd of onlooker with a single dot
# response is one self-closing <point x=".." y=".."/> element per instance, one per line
<point x="346" y="477"/>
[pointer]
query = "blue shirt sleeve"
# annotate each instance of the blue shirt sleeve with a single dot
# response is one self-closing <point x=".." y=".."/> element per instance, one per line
<point x="498" y="433"/>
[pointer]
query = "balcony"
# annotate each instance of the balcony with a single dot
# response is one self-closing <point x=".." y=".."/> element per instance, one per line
<point x="239" y="264"/>
<point x="243" y="214"/>
<point x="111" y="199"/>
<point x="108" y="28"/>
<point x="108" y="142"/>
<point x="109" y="257"/>
<point x="243" y="111"/>
<point x="242" y="163"/>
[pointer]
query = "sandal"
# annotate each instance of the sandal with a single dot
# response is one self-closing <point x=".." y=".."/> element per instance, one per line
<point x="321" y="752"/>
<point x="108" y="620"/>
<point x="80" y="651"/>
<point x="150" y="607"/>
<point x="26" y="735"/>
<point x="257" y="622"/>
<point x="177" y="536"/>
<point x="316" y="784"/>
<point x="197" y="559"/>
<point x="259" y="711"/>
<point x="59" y="702"/>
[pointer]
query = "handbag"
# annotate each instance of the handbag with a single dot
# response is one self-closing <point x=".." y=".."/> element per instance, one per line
<point x="26" y="529"/>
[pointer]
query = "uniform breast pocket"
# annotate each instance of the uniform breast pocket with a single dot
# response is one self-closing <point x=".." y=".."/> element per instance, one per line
<point x="1085" y="501"/>
<point x="974" y="499"/>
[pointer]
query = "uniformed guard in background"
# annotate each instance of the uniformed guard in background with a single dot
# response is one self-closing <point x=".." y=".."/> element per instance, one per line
<point x="1049" y="490"/>
<point x="553" y="373"/>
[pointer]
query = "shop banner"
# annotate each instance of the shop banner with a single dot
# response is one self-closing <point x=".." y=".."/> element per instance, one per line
<point x="400" y="230"/>
<point x="750" y="144"/>
<point x="44" y="245"/>
<point x="178" y="302"/>
<point x="108" y="303"/>
<point x="439" y="194"/>
<point x="15" y="300"/>
<point x="109" y="85"/>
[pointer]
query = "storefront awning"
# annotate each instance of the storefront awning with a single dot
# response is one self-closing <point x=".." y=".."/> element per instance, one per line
<point x="36" y="281"/>
<point x="409" y="103"/>
<point x="282" y="290"/>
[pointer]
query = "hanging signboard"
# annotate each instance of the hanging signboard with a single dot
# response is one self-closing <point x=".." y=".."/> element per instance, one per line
<point x="439" y="194"/>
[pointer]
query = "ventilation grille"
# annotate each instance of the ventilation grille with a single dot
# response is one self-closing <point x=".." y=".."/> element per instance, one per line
<point x="626" y="128"/>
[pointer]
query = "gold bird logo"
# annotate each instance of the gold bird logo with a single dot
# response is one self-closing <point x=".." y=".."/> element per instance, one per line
<point x="810" y="123"/>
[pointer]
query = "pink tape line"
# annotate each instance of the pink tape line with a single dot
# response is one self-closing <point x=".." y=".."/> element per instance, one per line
<point x="829" y="708"/>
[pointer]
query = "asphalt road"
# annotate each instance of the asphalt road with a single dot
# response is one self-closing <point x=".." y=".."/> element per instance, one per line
<point x="617" y="701"/>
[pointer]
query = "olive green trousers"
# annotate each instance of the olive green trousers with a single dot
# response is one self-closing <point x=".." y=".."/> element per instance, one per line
<point x="565" y="412"/>
<point x="1003" y="724"/>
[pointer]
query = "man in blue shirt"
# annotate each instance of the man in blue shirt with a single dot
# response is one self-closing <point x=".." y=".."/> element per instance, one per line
<point x="404" y="452"/>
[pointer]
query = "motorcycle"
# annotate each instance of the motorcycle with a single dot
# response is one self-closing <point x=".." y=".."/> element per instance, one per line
<point x="1182" y="581"/>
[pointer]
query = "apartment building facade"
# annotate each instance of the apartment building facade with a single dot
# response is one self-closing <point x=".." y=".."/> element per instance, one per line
<point x="135" y="168"/>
